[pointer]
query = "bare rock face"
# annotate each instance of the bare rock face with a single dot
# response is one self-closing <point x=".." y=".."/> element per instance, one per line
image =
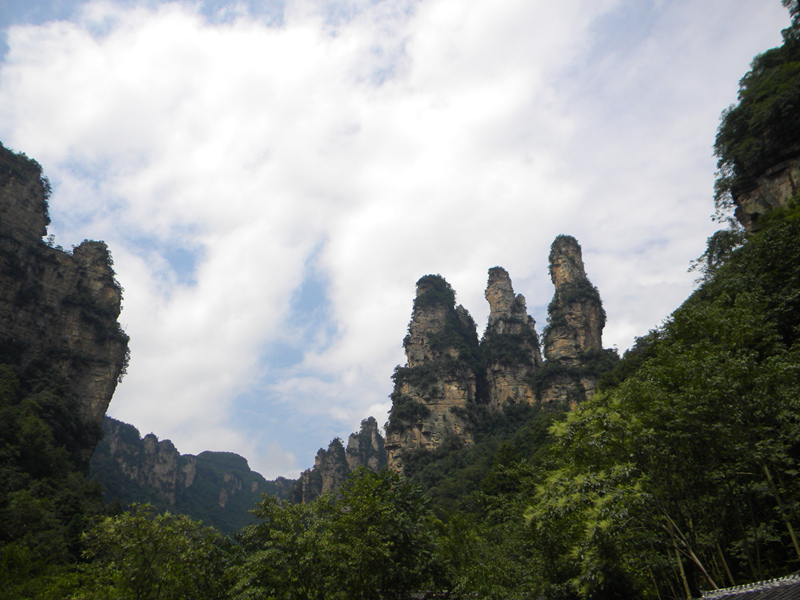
<point x="510" y="345"/>
<point x="329" y="472"/>
<point x="332" y="466"/>
<point x="367" y="448"/>
<point x="573" y="337"/>
<point x="773" y="189"/>
<point x="152" y="464"/>
<point x="58" y="311"/>
<point x="441" y="378"/>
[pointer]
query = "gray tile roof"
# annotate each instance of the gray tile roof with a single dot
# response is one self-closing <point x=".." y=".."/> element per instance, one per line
<point x="784" y="588"/>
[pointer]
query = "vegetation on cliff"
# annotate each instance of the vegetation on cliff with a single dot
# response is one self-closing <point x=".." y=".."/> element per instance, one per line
<point x="365" y="448"/>
<point x="680" y="476"/>
<point x="510" y="349"/>
<point x="216" y="488"/>
<point x="763" y="128"/>
<point x="24" y="168"/>
<point x="443" y="340"/>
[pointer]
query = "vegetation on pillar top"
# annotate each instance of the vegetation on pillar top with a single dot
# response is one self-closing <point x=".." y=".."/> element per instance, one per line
<point x="433" y="290"/>
<point x="458" y="337"/>
<point x="572" y="285"/>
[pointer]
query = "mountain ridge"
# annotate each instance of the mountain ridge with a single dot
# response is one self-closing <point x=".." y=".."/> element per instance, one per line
<point x="217" y="488"/>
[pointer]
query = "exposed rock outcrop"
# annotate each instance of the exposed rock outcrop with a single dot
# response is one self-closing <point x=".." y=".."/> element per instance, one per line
<point x="510" y="345"/>
<point x="332" y="466"/>
<point x="573" y="336"/>
<point x="149" y="464"/>
<point x="367" y="447"/>
<point x="329" y="471"/>
<point x="442" y="378"/>
<point x="772" y="189"/>
<point x="216" y="487"/>
<point x="58" y="310"/>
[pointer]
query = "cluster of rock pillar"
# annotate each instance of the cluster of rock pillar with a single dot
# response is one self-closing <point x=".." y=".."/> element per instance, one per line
<point x="449" y="371"/>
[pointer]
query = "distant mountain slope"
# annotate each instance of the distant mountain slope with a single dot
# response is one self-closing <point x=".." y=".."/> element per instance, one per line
<point x="217" y="488"/>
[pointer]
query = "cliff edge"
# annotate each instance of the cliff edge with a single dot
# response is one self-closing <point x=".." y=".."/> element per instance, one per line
<point x="58" y="310"/>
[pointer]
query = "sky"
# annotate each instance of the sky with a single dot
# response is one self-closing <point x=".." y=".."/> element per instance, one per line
<point x="272" y="178"/>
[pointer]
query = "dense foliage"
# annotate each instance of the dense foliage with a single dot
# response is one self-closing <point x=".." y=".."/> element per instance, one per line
<point x="20" y="165"/>
<point x="684" y="472"/>
<point x="375" y="540"/>
<point x="45" y="500"/>
<point x="434" y="290"/>
<point x="510" y="349"/>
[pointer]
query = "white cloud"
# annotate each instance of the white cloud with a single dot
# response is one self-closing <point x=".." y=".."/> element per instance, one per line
<point x="365" y="144"/>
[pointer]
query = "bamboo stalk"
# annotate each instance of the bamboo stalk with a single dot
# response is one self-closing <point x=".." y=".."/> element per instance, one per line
<point x="782" y="511"/>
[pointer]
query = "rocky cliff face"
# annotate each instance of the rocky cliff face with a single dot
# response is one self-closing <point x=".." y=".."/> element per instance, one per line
<point x="332" y="466"/>
<point x="442" y="378"/>
<point x="328" y="473"/>
<point x="154" y="467"/>
<point x="58" y="310"/>
<point x="773" y="189"/>
<point x="216" y="487"/>
<point x="573" y="337"/>
<point x="367" y="447"/>
<point x="510" y="345"/>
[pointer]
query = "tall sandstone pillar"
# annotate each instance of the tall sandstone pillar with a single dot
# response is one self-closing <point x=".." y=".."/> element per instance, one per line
<point x="510" y="344"/>
<point x="441" y="378"/>
<point x="573" y="336"/>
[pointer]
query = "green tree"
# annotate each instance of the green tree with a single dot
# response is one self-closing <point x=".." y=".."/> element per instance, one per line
<point x="681" y="476"/>
<point x="384" y="531"/>
<point x="289" y="553"/>
<point x="142" y="555"/>
<point x="485" y="547"/>
<point x="375" y="540"/>
<point x="45" y="501"/>
<point x="794" y="8"/>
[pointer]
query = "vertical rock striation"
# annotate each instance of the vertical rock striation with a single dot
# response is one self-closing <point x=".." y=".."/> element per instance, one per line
<point x="450" y="381"/>
<point x="443" y="375"/>
<point x="573" y="336"/>
<point x="367" y="448"/>
<point x="328" y="473"/>
<point x="510" y="345"/>
<point x="58" y="311"/>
